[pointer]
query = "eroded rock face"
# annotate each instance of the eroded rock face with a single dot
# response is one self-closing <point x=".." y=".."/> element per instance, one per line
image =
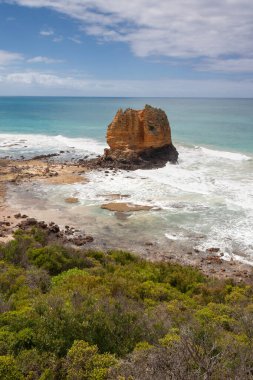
<point x="140" y="138"/>
<point x="139" y="130"/>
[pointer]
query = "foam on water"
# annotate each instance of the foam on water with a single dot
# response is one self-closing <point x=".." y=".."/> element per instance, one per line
<point x="29" y="145"/>
<point x="200" y="196"/>
<point x="209" y="192"/>
<point x="225" y="155"/>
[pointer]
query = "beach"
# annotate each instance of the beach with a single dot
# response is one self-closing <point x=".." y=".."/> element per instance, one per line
<point x="114" y="222"/>
<point x="194" y="210"/>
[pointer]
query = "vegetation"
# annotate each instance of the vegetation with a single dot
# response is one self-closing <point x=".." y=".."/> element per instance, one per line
<point x="67" y="314"/>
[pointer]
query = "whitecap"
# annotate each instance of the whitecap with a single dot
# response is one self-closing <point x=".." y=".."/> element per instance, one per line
<point x="173" y="237"/>
<point x="224" y="154"/>
<point x="33" y="144"/>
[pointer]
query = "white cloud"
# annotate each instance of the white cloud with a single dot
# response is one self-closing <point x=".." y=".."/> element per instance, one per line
<point x="58" y="39"/>
<point x="76" y="40"/>
<point x="43" y="79"/>
<point x="178" y="29"/>
<point x="47" y="32"/>
<point x="239" y="65"/>
<point x="46" y="60"/>
<point x="7" y="57"/>
<point x="39" y="83"/>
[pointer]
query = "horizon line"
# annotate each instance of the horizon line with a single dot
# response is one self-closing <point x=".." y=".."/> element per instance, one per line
<point x="123" y="97"/>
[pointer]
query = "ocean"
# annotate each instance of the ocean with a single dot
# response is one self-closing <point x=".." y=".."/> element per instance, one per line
<point x="207" y="198"/>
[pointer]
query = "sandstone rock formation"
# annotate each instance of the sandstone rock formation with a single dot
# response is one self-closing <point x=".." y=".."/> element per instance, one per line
<point x="139" y="130"/>
<point x="140" y="138"/>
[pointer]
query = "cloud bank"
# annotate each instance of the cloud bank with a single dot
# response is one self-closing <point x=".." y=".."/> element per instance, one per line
<point x="40" y="83"/>
<point x="7" y="57"/>
<point x="217" y="30"/>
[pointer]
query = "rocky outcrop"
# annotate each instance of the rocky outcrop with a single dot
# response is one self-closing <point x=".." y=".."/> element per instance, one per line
<point x="138" y="130"/>
<point x="52" y="233"/>
<point x="139" y="139"/>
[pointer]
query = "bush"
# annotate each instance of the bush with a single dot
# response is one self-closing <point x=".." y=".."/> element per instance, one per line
<point x="8" y="369"/>
<point x="16" y="250"/>
<point x="54" y="259"/>
<point x="36" y="365"/>
<point x="84" y="362"/>
<point x="65" y="313"/>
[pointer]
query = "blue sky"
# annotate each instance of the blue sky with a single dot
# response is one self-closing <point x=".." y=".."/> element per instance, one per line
<point x="123" y="48"/>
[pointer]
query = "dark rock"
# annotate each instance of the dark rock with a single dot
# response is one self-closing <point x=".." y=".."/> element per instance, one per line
<point x="148" y="159"/>
<point x="89" y="239"/>
<point x="213" y="250"/>
<point x="30" y="222"/>
<point x="53" y="233"/>
<point x="54" y="229"/>
<point x="42" y="156"/>
<point x="42" y="224"/>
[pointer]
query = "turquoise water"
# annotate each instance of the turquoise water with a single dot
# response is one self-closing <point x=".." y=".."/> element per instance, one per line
<point x="224" y="124"/>
<point x="206" y="199"/>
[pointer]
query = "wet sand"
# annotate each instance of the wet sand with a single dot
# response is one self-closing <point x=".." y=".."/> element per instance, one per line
<point x="15" y="174"/>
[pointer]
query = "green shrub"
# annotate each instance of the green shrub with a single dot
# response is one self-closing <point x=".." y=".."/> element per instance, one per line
<point x="16" y="250"/>
<point x="65" y="313"/>
<point x="9" y="369"/>
<point x="37" y="365"/>
<point x="54" y="259"/>
<point x="84" y="362"/>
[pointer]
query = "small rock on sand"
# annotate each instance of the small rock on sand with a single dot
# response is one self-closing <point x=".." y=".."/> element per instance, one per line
<point x="71" y="200"/>
<point x="125" y="207"/>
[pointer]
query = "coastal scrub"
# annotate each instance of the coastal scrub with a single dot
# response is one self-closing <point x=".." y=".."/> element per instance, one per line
<point x="86" y="314"/>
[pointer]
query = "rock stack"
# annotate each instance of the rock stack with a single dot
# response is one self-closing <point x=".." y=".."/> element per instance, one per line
<point x="138" y="139"/>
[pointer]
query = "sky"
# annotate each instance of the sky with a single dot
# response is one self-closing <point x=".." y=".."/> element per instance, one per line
<point x="174" y="48"/>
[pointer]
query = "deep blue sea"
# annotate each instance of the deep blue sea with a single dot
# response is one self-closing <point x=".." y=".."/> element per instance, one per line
<point x="224" y="124"/>
<point x="206" y="199"/>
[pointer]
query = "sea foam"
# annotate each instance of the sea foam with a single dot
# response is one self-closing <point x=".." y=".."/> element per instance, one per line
<point x="209" y="193"/>
<point x="224" y="154"/>
<point x="32" y="144"/>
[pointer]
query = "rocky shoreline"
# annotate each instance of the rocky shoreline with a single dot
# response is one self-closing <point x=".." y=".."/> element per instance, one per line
<point x="17" y="173"/>
<point x="151" y="158"/>
<point x="14" y="173"/>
